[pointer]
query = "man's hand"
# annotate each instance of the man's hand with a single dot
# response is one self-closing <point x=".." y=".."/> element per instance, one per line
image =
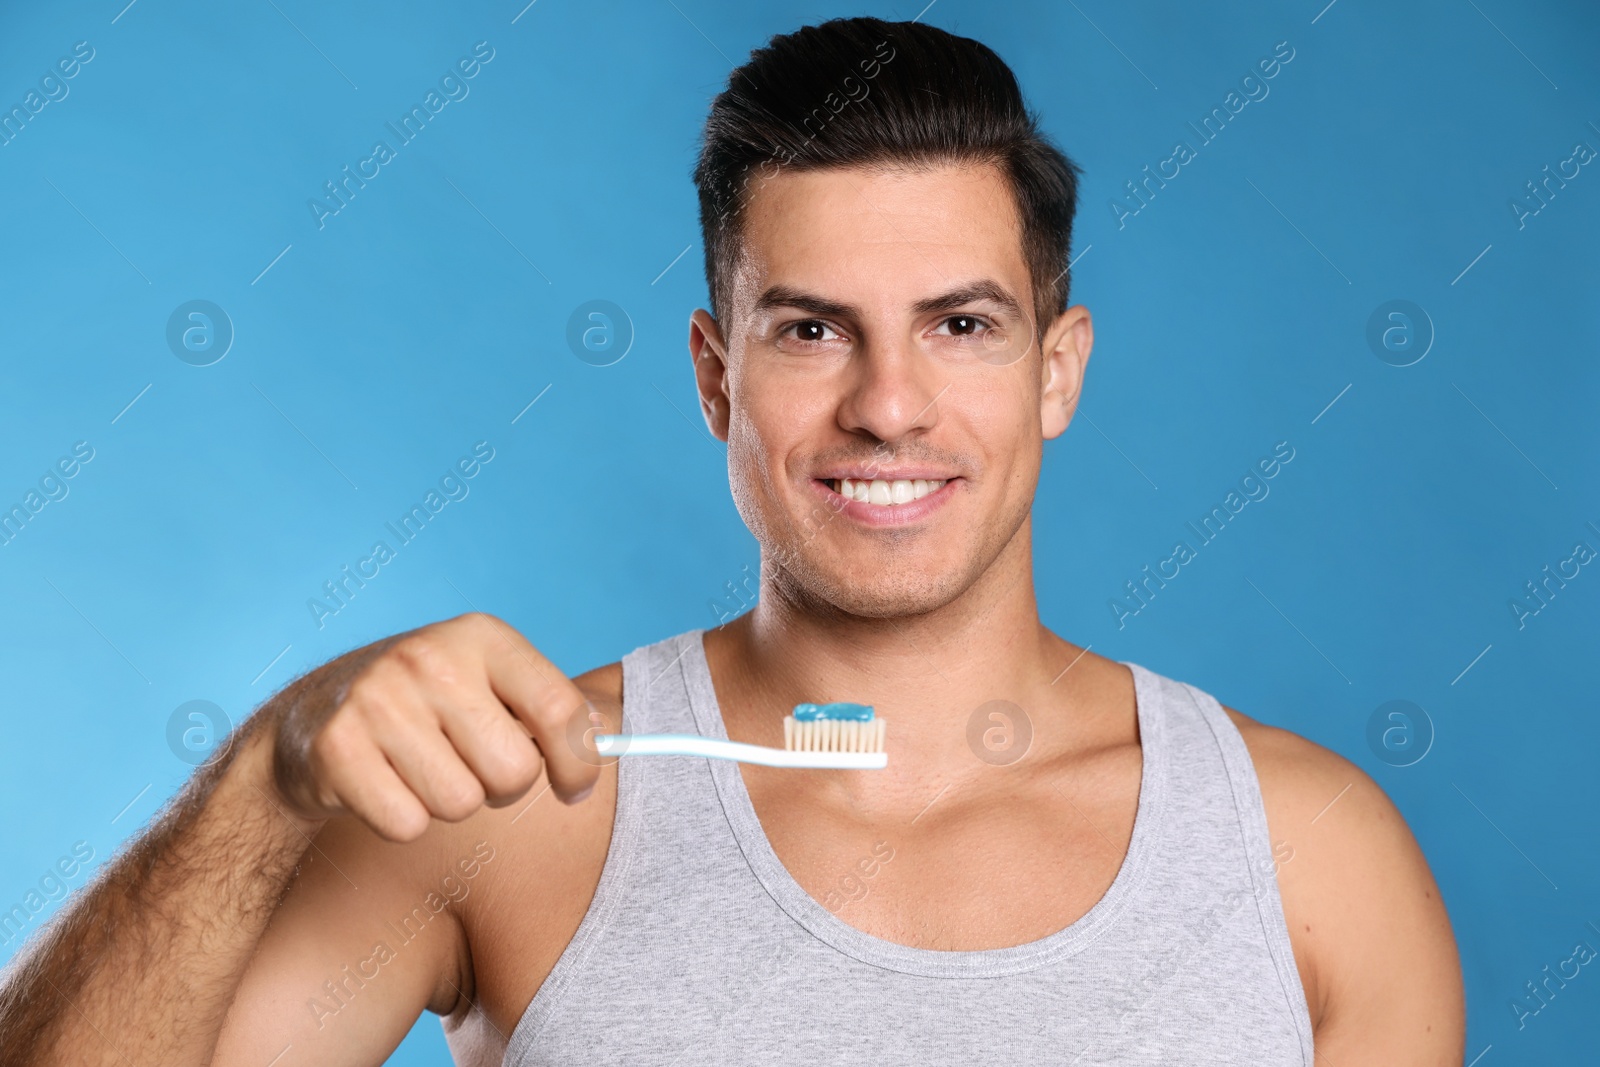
<point x="433" y="723"/>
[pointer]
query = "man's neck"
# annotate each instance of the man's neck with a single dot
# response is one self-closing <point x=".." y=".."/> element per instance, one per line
<point x="926" y="674"/>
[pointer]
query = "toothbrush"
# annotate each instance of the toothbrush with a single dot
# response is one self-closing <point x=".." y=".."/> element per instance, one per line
<point x="839" y="736"/>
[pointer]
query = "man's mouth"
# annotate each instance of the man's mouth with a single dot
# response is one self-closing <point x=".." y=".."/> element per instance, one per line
<point x="884" y="491"/>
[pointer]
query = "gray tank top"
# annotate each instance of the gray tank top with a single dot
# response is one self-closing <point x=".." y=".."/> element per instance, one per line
<point x="700" y="948"/>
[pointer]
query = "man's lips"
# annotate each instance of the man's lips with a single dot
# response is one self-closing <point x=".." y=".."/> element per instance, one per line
<point x="919" y="497"/>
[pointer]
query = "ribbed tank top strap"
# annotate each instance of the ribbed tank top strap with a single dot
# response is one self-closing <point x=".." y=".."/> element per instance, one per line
<point x="655" y="696"/>
<point x="1259" y="852"/>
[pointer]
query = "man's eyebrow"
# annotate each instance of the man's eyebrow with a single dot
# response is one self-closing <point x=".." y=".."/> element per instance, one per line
<point x="984" y="289"/>
<point x="784" y="296"/>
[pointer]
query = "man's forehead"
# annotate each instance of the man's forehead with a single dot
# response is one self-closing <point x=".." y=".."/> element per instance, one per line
<point x="915" y="232"/>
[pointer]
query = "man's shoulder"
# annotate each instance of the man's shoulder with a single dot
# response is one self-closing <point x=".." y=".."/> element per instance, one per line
<point x="1358" y="897"/>
<point x="1327" y="808"/>
<point x="1301" y="780"/>
<point x="603" y="682"/>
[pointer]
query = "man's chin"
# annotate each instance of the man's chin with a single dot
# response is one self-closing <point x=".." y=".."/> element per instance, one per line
<point x="879" y="599"/>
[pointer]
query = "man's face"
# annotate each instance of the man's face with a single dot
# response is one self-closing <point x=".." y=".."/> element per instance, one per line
<point x="877" y="334"/>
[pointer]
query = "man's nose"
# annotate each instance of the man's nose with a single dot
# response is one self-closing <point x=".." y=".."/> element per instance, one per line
<point x="893" y="391"/>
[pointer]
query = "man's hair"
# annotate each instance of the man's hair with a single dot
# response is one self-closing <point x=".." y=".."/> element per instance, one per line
<point x="862" y="91"/>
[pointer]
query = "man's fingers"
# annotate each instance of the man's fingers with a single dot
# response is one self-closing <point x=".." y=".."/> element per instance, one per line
<point x="435" y="771"/>
<point x="494" y="745"/>
<point x="361" y="781"/>
<point x="437" y="723"/>
<point x="547" y="703"/>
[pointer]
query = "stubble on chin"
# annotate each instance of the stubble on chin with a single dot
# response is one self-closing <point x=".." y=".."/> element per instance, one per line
<point x="808" y="580"/>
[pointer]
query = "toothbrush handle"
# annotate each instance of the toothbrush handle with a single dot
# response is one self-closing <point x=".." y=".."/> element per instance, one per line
<point x="716" y="748"/>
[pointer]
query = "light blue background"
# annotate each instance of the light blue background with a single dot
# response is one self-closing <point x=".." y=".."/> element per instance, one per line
<point x="1230" y="312"/>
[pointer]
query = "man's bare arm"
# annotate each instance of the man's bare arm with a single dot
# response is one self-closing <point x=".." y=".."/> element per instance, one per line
<point x="142" y="965"/>
<point x="146" y="957"/>
<point x="367" y="937"/>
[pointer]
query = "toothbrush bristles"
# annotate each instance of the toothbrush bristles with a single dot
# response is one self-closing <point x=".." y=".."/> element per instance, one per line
<point x="833" y="735"/>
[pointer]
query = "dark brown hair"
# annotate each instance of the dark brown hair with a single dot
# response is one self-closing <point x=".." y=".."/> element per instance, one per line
<point x="862" y="91"/>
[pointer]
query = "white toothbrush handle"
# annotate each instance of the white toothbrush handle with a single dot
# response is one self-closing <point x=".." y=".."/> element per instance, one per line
<point x="715" y="748"/>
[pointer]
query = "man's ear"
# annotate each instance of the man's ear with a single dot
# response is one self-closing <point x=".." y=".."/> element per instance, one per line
<point x="1066" y="356"/>
<point x="710" y="355"/>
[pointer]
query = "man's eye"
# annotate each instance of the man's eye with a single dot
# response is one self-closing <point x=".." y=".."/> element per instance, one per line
<point x="811" y="330"/>
<point x="964" y="325"/>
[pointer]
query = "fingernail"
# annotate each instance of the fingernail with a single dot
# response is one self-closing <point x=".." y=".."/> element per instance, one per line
<point x="579" y="797"/>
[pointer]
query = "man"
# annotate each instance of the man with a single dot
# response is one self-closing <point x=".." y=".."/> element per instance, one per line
<point x="1067" y="859"/>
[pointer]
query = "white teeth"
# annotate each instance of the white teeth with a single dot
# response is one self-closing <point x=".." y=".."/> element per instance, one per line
<point x="887" y="492"/>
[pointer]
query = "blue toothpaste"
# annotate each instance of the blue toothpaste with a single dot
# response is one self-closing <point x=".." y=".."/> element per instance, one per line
<point x="842" y="710"/>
